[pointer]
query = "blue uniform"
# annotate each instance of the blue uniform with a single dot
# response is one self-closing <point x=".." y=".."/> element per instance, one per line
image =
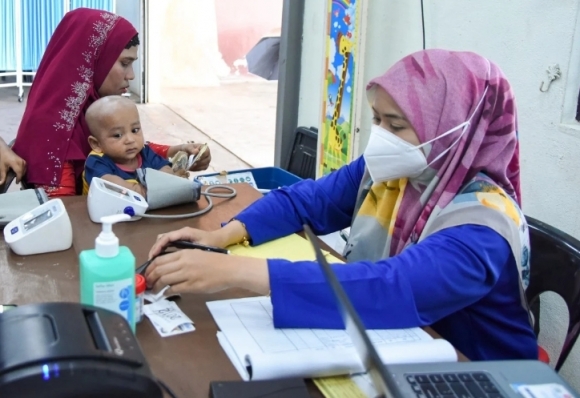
<point x="463" y="281"/>
<point x="99" y="164"/>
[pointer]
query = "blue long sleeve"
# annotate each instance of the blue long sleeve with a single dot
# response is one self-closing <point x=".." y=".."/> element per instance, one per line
<point x="455" y="280"/>
<point x="462" y="281"/>
<point x="327" y="205"/>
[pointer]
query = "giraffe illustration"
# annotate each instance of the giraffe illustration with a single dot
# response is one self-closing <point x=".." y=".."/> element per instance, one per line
<point x="344" y="48"/>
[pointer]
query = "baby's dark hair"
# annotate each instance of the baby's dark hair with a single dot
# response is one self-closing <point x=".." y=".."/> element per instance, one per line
<point x="133" y="42"/>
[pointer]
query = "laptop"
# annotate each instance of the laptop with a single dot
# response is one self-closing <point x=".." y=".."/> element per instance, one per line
<point x="485" y="379"/>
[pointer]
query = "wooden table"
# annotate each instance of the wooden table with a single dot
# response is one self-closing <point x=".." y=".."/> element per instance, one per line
<point x="187" y="362"/>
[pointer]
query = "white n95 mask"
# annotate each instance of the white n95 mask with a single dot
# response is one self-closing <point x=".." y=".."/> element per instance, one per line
<point x="389" y="157"/>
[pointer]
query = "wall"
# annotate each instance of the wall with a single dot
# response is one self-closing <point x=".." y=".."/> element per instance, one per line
<point x="241" y="24"/>
<point x="523" y="37"/>
<point x="312" y="70"/>
<point x="183" y="46"/>
<point x="130" y="10"/>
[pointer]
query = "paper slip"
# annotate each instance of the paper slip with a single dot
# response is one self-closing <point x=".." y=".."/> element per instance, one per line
<point x="186" y="327"/>
<point x="167" y="318"/>
<point x="245" y="176"/>
<point x="153" y="298"/>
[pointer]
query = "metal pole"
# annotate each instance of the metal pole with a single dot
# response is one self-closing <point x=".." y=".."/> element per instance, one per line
<point x="18" y="43"/>
<point x="288" y="79"/>
<point x="144" y="35"/>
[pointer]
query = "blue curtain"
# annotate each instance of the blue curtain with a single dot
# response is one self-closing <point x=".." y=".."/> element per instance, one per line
<point x="40" y="19"/>
<point x="7" y="39"/>
<point x="106" y="5"/>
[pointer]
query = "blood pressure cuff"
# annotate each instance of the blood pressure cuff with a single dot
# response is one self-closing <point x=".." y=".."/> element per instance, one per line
<point x="14" y="204"/>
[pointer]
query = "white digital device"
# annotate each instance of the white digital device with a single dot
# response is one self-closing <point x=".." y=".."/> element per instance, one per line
<point x="106" y="199"/>
<point x="44" y="229"/>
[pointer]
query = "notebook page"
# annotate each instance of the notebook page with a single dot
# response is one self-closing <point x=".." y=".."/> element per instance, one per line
<point x="247" y="325"/>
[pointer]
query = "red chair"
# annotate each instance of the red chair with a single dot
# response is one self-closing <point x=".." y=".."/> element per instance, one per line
<point x="554" y="266"/>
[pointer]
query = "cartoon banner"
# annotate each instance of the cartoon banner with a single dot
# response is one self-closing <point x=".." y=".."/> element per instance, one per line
<point x="335" y="143"/>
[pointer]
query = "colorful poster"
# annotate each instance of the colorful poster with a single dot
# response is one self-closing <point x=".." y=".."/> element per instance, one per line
<point x="341" y="38"/>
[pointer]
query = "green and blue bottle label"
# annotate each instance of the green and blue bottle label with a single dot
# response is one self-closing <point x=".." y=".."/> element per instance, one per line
<point x="115" y="296"/>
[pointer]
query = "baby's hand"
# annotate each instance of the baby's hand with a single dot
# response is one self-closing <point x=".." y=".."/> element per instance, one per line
<point x="140" y="189"/>
<point x="181" y="173"/>
<point x="179" y="162"/>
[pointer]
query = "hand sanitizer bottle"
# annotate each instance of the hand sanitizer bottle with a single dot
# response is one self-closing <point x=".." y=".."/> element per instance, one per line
<point x="107" y="273"/>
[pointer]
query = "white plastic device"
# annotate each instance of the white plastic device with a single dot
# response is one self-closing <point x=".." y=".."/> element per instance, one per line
<point x="44" y="229"/>
<point x="106" y="199"/>
<point x="163" y="190"/>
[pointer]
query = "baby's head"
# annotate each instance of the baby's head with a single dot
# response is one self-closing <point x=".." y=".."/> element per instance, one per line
<point x="115" y="128"/>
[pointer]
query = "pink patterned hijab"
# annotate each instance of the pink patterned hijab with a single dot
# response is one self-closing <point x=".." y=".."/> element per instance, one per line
<point x="78" y="58"/>
<point x="439" y="90"/>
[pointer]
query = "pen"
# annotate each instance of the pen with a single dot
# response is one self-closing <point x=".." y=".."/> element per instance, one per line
<point x="141" y="269"/>
<point x="183" y="244"/>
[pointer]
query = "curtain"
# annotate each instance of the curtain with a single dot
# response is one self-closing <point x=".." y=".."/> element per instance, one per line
<point x="7" y="36"/>
<point x="40" y="19"/>
<point x="106" y="5"/>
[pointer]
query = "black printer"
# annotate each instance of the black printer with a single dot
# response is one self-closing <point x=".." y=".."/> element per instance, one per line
<point x="71" y="350"/>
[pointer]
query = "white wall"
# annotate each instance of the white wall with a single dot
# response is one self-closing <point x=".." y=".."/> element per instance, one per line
<point x="312" y="72"/>
<point x="523" y="37"/>
<point x="129" y="9"/>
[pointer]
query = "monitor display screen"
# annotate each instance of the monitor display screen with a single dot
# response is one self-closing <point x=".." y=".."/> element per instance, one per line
<point x="120" y="191"/>
<point x="39" y="219"/>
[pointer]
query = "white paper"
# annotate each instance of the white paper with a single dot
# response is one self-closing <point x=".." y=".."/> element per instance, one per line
<point x="163" y="332"/>
<point x="151" y="297"/>
<point x="167" y="318"/>
<point x="247" y="328"/>
<point x="366" y="384"/>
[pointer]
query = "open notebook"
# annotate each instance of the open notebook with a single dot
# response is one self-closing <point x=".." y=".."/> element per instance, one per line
<point x="259" y="351"/>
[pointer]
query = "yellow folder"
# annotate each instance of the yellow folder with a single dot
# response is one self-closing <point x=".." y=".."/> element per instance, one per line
<point x="292" y="247"/>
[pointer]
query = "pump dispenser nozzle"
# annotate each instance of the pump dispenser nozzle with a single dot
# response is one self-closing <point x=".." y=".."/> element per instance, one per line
<point x="107" y="243"/>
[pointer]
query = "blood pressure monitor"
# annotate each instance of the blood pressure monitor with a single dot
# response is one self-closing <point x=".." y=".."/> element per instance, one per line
<point x="106" y="199"/>
<point x="44" y="229"/>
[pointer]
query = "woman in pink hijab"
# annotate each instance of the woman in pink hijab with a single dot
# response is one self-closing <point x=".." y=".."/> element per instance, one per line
<point x="90" y="55"/>
<point x="437" y="235"/>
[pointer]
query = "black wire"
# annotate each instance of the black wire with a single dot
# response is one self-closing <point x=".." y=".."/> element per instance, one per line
<point x="278" y="391"/>
<point x="423" y="23"/>
<point x="273" y="393"/>
<point x="166" y="388"/>
<point x="267" y="394"/>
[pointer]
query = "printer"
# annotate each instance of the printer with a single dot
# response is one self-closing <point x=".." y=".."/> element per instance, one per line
<point x="71" y="350"/>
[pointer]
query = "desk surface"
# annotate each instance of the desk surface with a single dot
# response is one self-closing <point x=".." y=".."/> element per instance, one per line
<point x="187" y="362"/>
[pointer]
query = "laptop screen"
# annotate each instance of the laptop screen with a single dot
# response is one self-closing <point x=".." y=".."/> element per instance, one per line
<point x="353" y="325"/>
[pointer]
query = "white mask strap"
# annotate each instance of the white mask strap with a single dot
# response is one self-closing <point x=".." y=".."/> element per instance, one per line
<point x="464" y="125"/>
